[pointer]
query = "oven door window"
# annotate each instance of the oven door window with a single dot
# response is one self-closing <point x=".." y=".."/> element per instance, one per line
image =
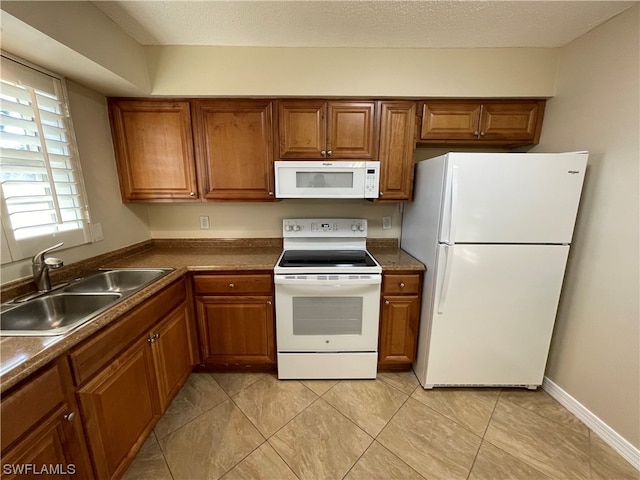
<point x="327" y="316"/>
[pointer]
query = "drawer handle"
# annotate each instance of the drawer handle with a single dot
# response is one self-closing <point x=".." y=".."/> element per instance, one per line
<point x="70" y="416"/>
<point x="231" y="285"/>
<point x="401" y="284"/>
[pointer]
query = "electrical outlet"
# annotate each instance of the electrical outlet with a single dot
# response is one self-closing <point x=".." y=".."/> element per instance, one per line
<point x="386" y="223"/>
<point x="204" y="222"/>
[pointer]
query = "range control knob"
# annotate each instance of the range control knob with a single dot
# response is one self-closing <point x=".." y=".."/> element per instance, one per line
<point x="287" y="228"/>
<point x="354" y="227"/>
<point x="296" y="228"/>
<point x="361" y="227"/>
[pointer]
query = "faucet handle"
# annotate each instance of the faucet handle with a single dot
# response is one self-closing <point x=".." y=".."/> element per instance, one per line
<point x="39" y="257"/>
<point x="52" y="262"/>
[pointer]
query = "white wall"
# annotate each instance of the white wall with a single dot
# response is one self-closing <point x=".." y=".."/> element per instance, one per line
<point x="595" y="353"/>
<point x="122" y="225"/>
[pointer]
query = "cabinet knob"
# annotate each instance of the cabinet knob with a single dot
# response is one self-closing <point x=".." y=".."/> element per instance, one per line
<point x="401" y="285"/>
<point x="329" y="153"/>
<point x="386" y="302"/>
<point x="271" y="193"/>
<point x="323" y="153"/>
<point x="231" y="285"/>
<point x="482" y="134"/>
<point x="152" y="339"/>
<point x="476" y="133"/>
<point x="268" y="302"/>
<point x="70" y="416"/>
<point x="381" y="194"/>
<point x="156" y="336"/>
<point x="192" y="194"/>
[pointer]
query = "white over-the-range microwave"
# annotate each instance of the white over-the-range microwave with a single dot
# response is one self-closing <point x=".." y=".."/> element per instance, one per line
<point x="320" y="179"/>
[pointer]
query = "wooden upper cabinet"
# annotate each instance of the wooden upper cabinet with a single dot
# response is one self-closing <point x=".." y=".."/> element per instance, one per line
<point x="319" y="129"/>
<point x="234" y="149"/>
<point x="397" y="146"/>
<point x="153" y="149"/>
<point x="495" y="122"/>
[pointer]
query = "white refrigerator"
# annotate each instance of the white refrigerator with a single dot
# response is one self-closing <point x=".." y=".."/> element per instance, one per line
<point x="494" y="231"/>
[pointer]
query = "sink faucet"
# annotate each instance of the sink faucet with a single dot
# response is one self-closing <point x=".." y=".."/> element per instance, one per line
<point x="41" y="268"/>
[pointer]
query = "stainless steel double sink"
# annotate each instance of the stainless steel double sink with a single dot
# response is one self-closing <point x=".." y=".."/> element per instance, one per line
<point x="65" y="308"/>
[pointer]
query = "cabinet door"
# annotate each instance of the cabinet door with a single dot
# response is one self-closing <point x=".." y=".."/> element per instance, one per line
<point x="398" y="330"/>
<point x="47" y="448"/>
<point x="172" y="353"/>
<point x="450" y="120"/>
<point x="511" y="121"/>
<point x="234" y="149"/>
<point x="351" y="130"/>
<point x="120" y="407"/>
<point x="302" y="132"/>
<point x="154" y="149"/>
<point x="397" y="146"/>
<point x="41" y="427"/>
<point x="236" y="330"/>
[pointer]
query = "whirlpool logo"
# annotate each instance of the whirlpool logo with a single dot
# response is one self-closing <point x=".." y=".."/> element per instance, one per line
<point x="573" y="172"/>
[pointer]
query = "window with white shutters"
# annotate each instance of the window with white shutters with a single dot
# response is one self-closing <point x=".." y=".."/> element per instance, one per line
<point x="43" y="198"/>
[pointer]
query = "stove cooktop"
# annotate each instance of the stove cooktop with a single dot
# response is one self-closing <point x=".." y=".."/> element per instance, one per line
<point x="326" y="258"/>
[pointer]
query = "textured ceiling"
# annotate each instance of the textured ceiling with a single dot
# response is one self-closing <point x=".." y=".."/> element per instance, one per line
<point x="391" y="24"/>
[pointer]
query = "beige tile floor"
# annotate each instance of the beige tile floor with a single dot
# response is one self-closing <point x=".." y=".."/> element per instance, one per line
<point x="252" y="426"/>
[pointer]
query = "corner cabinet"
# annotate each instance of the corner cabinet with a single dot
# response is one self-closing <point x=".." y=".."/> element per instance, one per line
<point x="508" y="123"/>
<point x="234" y="152"/>
<point x="399" y="320"/>
<point x="236" y="321"/>
<point x="397" y="147"/>
<point x="320" y="130"/>
<point x="153" y="147"/>
<point x="42" y="428"/>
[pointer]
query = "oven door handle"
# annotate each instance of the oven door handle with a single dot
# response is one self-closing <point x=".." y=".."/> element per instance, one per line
<point x="335" y="283"/>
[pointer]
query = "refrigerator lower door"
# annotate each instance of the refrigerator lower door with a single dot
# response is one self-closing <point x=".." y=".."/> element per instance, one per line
<point x="494" y="307"/>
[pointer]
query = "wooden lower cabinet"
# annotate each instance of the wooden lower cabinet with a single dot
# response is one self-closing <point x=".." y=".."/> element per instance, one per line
<point x="236" y="322"/>
<point x="41" y="429"/>
<point x="128" y="374"/>
<point x="399" y="320"/>
<point x="120" y="407"/>
<point x="173" y="354"/>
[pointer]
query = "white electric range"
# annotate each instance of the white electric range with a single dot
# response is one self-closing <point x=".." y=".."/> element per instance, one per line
<point x="327" y="300"/>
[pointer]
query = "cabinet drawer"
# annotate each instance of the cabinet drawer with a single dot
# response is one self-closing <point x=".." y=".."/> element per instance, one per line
<point x="232" y="284"/>
<point x="98" y="351"/>
<point x="26" y="406"/>
<point x="401" y="283"/>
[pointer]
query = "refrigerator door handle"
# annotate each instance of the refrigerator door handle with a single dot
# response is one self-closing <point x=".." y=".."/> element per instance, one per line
<point x="453" y="213"/>
<point x="446" y="277"/>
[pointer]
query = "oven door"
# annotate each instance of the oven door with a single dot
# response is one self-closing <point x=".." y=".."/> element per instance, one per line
<point x="327" y="313"/>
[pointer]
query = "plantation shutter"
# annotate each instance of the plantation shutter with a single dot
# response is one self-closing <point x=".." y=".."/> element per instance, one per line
<point x="42" y="190"/>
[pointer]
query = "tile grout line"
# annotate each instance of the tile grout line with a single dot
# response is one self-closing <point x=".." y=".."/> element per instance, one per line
<point x="483" y="434"/>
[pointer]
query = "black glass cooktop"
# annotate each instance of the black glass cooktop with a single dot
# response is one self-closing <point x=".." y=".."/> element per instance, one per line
<point x="326" y="258"/>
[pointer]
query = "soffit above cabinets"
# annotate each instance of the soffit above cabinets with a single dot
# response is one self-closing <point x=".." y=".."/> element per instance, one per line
<point x="366" y="23"/>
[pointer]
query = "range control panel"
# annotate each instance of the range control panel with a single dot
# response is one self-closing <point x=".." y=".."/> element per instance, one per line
<point x="324" y="227"/>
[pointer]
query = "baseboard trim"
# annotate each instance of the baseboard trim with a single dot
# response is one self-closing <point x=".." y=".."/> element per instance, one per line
<point x="604" y="431"/>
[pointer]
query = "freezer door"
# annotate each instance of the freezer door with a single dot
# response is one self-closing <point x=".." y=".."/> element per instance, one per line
<point x="511" y="198"/>
<point x="493" y="312"/>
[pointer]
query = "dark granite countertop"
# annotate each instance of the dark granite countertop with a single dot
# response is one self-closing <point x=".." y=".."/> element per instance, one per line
<point x="21" y="356"/>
